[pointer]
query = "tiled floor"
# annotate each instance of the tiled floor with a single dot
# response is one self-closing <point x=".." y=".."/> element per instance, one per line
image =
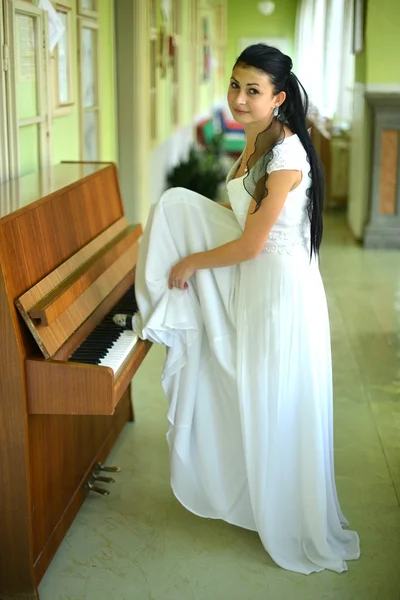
<point x="140" y="544"/>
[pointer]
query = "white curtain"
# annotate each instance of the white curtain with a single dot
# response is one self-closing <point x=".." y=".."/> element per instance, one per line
<point x="324" y="61"/>
<point x="304" y="47"/>
<point x="344" y="109"/>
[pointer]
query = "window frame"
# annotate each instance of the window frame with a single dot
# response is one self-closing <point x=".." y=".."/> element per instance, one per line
<point x="84" y="23"/>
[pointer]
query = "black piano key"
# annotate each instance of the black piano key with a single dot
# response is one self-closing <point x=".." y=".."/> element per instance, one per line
<point x="86" y="361"/>
<point x="89" y="355"/>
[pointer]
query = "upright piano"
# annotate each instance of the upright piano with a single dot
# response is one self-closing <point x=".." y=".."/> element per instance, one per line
<point x="67" y="263"/>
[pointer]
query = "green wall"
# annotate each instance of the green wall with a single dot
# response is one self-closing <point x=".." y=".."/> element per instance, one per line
<point x="360" y="67"/>
<point x="194" y="99"/>
<point x="378" y="65"/>
<point x="383" y="41"/>
<point x="108" y="117"/>
<point x="245" y="20"/>
<point x="379" y="62"/>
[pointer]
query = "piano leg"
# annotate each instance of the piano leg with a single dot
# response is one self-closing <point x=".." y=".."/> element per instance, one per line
<point x="95" y="438"/>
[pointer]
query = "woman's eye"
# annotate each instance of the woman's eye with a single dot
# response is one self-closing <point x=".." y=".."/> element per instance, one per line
<point x="253" y="91"/>
<point x="234" y="85"/>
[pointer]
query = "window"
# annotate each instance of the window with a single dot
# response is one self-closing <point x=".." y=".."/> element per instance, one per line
<point x="29" y="96"/>
<point x="325" y="63"/>
<point x="89" y="89"/>
<point x="88" y="8"/>
<point x="62" y="66"/>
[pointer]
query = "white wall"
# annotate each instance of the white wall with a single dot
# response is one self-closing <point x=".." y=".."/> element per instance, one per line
<point x="164" y="157"/>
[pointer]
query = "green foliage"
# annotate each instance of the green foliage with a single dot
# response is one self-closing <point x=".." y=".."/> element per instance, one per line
<point x="201" y="171"/>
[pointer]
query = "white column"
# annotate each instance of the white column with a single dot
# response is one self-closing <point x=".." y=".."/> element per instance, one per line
<point x="133" y="84"/>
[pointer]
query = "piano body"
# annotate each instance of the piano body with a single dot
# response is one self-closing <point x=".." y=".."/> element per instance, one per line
<point x="67" y="260"/>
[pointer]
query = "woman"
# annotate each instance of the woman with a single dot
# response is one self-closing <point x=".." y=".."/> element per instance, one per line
<point x="237" y="298"/>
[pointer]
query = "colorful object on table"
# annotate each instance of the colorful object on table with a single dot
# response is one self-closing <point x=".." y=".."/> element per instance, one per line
<point x="228" y="124"/>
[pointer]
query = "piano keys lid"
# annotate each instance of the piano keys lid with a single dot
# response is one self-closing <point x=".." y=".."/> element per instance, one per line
<point x="71" y="300"/>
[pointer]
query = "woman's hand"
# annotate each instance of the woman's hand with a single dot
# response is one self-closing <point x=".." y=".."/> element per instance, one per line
<point x="180" y="274"/>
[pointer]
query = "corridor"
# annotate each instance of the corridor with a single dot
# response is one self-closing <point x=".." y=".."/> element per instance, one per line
<point x="139" y="543"/>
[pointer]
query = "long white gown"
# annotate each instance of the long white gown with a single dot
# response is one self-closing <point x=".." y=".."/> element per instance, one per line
<point x="248" y="373"/>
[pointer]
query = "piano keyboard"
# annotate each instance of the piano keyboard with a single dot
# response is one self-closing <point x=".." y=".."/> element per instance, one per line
<point x="109" y="345"/>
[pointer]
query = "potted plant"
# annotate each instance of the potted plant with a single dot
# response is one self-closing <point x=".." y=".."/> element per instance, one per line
<point x="201" y="171"/>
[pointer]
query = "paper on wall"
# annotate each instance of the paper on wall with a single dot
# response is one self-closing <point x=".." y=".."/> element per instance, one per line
<point x="56" y="26"/>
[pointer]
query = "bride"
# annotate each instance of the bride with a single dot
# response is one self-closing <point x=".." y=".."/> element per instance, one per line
<point x="237" y="298"/>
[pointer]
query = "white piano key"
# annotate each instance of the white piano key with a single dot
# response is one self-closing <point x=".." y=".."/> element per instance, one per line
<point x="119" y="350"/>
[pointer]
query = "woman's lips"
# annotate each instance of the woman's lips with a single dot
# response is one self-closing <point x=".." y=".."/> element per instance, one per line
<point x="241" y="112"/>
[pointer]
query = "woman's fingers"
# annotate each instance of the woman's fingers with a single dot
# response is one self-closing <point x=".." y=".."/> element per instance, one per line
<point x="177" y="283"/>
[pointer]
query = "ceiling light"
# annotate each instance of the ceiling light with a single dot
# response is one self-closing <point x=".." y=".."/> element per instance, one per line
<point x="266" y="8"/>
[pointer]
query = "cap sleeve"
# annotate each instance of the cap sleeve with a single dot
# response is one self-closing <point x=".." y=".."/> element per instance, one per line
<point x="285" y="159"/>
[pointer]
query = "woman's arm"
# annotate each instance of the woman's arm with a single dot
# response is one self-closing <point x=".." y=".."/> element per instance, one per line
<point x="257" y="228"/>
<point x="254" y="237"/>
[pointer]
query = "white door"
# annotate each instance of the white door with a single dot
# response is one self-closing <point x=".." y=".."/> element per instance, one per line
<point x="27" y="87"/>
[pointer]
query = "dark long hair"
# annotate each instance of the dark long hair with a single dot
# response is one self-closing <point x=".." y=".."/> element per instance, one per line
<point x="293" y="114"/>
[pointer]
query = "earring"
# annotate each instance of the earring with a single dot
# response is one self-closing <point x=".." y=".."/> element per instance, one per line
<point x="276" y="111"/>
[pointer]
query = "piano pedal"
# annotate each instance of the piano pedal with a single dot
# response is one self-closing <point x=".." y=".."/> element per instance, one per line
<point x="101" y="479"/>
<point x="98" y="490"/>
<point x="100" y="467"/>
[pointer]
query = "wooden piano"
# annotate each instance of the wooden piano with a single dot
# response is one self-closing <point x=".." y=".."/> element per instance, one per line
<point x="67" y="261"/>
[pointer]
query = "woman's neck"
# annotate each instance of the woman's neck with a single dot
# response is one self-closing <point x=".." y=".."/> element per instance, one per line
<point x="271" y="129"/>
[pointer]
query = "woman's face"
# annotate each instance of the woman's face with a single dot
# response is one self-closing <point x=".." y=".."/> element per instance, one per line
<point x="251" y="96"/>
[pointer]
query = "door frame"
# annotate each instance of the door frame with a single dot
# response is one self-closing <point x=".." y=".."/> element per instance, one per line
<point x="43" y="118"/>
<point x="8" y="158"/>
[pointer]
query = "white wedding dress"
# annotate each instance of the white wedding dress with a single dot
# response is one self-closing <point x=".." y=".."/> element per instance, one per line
<point x="248" y="372"/>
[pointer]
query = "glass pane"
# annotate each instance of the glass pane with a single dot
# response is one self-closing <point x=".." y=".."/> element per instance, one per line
<point x="29" y="145"/>
<point x="91" y="135"/>
<point x="26" y="76"/>
<point x="64" y="92"/>
<point x="88" y="4"/>
<point x="89" y="67"/>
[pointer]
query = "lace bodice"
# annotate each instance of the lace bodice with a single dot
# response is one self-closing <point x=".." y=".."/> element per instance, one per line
<point x="292" y="228"/>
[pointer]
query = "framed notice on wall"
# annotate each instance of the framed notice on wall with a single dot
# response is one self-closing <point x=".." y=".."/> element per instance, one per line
<point x="26" y="48"/>
<point x="206" y="49"/>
